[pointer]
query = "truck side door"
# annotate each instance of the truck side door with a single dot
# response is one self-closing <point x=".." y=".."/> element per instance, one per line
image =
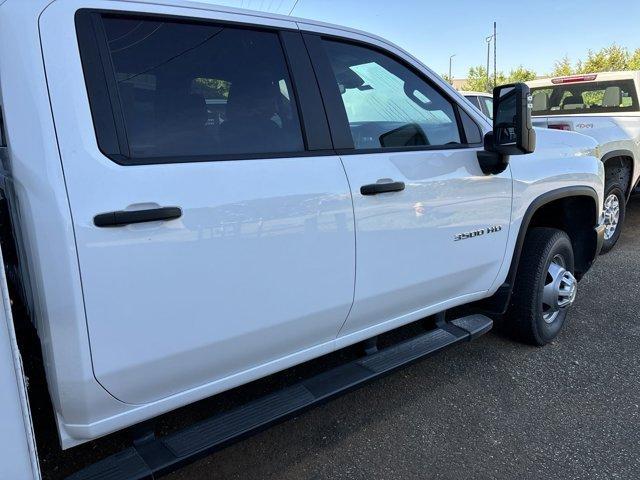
<point x="214" y="233"/>
<point x="431" y="228"/>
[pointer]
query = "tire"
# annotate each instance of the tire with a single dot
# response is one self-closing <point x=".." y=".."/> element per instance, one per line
<point x="615" y="210"/>
<point x="528" y="318"/>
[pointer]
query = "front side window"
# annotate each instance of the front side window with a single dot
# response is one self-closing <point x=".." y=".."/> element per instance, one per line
<point x="387" y="105"/>
<point x="199" y="89"/>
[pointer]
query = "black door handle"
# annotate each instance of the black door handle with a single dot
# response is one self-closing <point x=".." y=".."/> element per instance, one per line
<point x="376" y="188"/>
<point x="126" y="217"/>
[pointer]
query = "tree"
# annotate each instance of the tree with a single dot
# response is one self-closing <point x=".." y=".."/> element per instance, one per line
<point x="562" y="68"/>
<point x="211" y="88"/>
<point x="611" y="58"/>
<point x="607" y="59"/>
<point x="634" y="60"/>
<point x="521" y="74"/>
<point x="447" y="79"/>
<point x="477" y="80"/>
<point x="501" y="79"/>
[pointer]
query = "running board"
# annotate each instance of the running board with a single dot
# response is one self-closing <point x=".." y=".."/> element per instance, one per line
<point x="152" y="457"/>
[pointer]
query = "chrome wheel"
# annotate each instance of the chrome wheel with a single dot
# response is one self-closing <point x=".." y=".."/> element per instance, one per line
<point x="560" y="289"/>
<point x="611" y="215"/>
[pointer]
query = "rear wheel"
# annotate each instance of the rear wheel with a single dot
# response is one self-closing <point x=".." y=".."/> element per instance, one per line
<point x="544" y="287"/>
<point x="614" y="212"/>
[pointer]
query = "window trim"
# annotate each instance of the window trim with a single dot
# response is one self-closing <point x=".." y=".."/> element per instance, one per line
<point x="106" y="110"/>
<point x="336" y="112"/>
<point x="3" y="136"/>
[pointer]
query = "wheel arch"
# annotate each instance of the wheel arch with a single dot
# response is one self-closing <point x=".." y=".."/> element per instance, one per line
<point x="623" y="156"/>
<point x="551" y="210"/>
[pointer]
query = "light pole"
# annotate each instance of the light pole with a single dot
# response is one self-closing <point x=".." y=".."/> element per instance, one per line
<point x="488" y="40"/>
<point x="493" y="37"/>
<point x="495" y="54"/>
<point x="450" y="60"/>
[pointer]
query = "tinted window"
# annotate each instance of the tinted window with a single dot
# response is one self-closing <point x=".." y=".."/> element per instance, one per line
<point x="197" y="89"/>
<point x="471" y="129"/>
<point x="487" y="102"/>
<point x="585" y="97"/>
<point x="388" y="105"/>
<point x="473" y="99"/>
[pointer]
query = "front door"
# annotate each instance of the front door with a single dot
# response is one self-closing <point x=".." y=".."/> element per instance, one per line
<point x="430" y="226"/>
<point x="245" y="263"/>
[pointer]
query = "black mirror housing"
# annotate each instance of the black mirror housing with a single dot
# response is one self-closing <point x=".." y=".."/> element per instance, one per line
<point x="513" y="132"/>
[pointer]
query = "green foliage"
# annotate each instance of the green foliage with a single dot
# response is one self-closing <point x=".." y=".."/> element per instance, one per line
<point x="477" y="80"/>
<point x="607" y="59"/>
<point x="612" y="58"/>
<point x="562" y="68"/>
<point x="634" y="60"/>
<point x="521" y="74"/>
<point x="211" y="87"/>
<point x="447" y="79"/>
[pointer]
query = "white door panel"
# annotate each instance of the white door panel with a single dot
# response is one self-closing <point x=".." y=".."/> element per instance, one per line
<point x="407" y="258"/>
<point x="261" y="263"/>
<point x="407" y="133"/>
<point x="259" y="266"/>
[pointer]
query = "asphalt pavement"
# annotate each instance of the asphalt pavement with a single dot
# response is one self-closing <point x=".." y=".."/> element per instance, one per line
<point x="490" y="409"/>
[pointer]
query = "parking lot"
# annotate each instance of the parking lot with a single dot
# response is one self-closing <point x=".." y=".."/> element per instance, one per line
<point x="492" y="409"/>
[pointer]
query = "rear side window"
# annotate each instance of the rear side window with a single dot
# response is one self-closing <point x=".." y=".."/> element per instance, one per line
<point x="387" y="105"/>
<point x="585" y="97"/>
<point x="193" y="89"/>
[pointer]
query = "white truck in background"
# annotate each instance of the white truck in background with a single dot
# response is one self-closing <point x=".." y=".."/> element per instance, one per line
<point x="604" y="106"/>
<point x="483" y="101"/>
<point x="195" y="197"/>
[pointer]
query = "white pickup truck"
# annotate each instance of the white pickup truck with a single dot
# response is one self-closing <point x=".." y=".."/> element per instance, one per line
<point x="606" y="107"/>
<point x="196" y="197"/>
<point x="483" y="101"/>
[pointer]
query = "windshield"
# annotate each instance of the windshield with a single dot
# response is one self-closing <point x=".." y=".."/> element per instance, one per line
<point x="585" y="97"/>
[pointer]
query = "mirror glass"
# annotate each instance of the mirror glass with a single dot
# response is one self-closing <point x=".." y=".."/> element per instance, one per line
<point x="505" y="120"/>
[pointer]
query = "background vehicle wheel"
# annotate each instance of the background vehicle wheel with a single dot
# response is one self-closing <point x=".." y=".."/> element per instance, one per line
<point x="614" y="211"/>
<point x="544" y="287"/>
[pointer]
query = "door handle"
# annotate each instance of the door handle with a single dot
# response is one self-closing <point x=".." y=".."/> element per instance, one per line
<point x="381" y="187"/>
<point x="126" y="217"/>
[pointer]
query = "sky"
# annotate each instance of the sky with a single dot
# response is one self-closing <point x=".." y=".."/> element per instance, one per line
<point x="534" y="34"/>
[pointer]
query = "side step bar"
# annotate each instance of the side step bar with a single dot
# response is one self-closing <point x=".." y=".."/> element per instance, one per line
<point x="151" y="457"/>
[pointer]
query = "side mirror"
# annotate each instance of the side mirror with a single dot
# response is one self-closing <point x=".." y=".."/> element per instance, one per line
<point x="513" y="133"/>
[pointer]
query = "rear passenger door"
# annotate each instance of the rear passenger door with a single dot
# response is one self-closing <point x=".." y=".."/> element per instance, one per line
<point x="214" y="232"/>
<point x="419" y="194"/>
